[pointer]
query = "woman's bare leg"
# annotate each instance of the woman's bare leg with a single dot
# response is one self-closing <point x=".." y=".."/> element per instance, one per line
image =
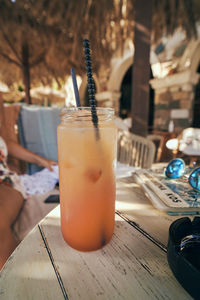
<point x="11" y="202"/>
<point x="8" y="245"/>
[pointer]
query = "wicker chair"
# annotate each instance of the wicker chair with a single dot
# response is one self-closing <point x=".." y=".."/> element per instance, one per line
<point x="135" y="150"/>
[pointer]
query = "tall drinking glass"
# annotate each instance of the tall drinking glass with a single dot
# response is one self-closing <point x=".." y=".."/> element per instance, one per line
<point x="86" y="177"/>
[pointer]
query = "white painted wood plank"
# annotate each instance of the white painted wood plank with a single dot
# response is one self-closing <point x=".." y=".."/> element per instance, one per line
<point x="29" y="274"/>
<point x="129" y="267"/>
<point x="133" y="204"/>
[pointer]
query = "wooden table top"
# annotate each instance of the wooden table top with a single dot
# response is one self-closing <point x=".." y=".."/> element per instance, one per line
<point x="132" y="266"/>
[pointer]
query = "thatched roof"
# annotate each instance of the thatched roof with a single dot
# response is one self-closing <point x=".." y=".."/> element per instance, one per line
<point x="168" y="15"/>
<point x="54" y="30"/>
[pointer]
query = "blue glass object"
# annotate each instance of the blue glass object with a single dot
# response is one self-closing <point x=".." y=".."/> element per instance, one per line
<point x="194" y="179"/>
<point x="175" y="168"/>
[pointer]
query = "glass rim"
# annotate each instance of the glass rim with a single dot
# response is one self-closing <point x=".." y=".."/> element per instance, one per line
<point x="84" y="113"/>
<point x="87" y="108"/>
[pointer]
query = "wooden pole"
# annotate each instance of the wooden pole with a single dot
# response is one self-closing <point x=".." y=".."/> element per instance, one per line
<point x="26" y="71"/>
<point x="141" y="67"/>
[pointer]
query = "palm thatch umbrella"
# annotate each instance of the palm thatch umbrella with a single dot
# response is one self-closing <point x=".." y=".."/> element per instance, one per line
<point x="168" y="15"/>
<point x="41" y="40"/>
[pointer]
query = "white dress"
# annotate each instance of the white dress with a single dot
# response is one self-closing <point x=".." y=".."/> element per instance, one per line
<point x="7" y="176"/>
<point x="38" y="183"/>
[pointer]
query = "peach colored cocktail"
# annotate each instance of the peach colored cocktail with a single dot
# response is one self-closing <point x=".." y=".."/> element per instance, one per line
<point x="86" y="177"/>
